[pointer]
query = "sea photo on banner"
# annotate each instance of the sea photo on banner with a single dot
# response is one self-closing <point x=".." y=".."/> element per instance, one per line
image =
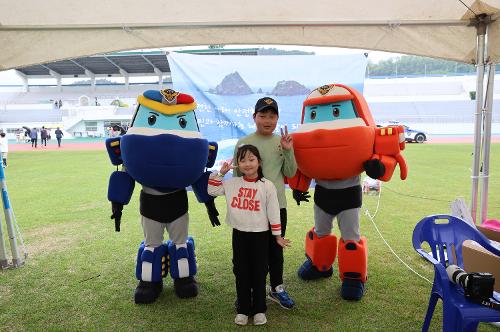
<point x="226" y="88"/>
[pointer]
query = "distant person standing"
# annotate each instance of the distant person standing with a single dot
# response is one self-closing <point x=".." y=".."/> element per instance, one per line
<point x="34" y="137"/>
<point x="59" y="135"/>
<point x="43" y="136"/>
<point x="19" y="134"/>
<point x="4" y="148"/>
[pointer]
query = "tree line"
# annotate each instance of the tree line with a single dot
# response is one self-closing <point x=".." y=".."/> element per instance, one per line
<point x="418" y="66"/>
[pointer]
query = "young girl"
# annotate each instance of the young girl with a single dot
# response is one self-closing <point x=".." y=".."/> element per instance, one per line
<point x="252" y="205"/>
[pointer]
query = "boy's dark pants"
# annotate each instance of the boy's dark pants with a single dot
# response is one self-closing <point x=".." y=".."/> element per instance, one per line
<point x="250" y="261"/>
<point x="276" y="254"/>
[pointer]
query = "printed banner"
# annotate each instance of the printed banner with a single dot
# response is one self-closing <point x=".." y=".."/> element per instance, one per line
<point x="226" y="88"/>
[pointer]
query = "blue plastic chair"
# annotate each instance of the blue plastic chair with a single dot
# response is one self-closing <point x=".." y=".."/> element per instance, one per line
<point x="445" y="235"/>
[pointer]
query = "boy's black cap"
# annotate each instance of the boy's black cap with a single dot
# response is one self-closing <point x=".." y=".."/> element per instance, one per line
<point x="266" y="103"/>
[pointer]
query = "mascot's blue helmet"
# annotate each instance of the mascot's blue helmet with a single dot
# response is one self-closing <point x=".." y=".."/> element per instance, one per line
<point x="163" y="147"/>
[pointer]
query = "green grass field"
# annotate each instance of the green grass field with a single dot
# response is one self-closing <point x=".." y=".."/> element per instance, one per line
<point x="80" y="274"/>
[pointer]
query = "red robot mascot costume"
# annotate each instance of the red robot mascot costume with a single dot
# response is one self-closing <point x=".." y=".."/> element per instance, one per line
<point x="336" y="141"/>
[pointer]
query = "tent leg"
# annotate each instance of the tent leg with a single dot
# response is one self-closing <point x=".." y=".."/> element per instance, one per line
<point x="480" y="56"/>
<point x="4" y="262"/>
<point x="483" y="212"/>
<point x="17" y="260"/>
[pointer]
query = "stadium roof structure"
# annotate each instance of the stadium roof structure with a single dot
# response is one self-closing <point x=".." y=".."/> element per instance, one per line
<point x="151" y="63"/>
<point x="223" y="51"/>
<point x="114" y="64"/>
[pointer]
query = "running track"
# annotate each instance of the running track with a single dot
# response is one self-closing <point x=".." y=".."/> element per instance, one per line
<point x="72" y="146"/>
<point x="65" y="146"/>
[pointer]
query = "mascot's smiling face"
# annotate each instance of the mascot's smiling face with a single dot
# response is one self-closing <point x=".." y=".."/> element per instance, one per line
<point x="163" y="147"/>
<point x="336" y="135"/>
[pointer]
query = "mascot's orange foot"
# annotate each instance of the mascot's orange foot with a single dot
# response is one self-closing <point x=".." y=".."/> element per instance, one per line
<point x="186" y="287"/>
<point x="352" y="290"/>
<point x="147" y="292"/>
<point x="309" y="272"/>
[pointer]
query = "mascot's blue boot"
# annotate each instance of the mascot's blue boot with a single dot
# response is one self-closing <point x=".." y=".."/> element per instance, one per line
<point x="352" y="290"/>
<point x="147" y="292"/>
<point x="320" y="254"/>
<point x="186" y="287"/>
<point x="183" y="268"/>
<point x="308" y="271"/>
<point x="353" y="262"/>
<point x="152" y="266"/>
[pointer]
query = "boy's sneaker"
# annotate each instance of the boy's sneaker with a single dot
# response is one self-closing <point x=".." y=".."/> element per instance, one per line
<point x="259" y="319"/>
<point x="241" y="319"/>
<point x="281" y="297"/>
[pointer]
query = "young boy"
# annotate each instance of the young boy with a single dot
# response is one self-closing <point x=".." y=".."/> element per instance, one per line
<point x="278" y="161"/>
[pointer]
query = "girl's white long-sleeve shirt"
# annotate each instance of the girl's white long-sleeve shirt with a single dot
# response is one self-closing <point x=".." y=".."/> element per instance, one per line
<point x="251" y="205"/>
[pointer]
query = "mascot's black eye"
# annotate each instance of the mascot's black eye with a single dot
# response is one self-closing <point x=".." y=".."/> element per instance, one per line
<point x="336" y="112"/>
<point x="182" y="122"/>
<point x="313" y="115"/>
<point x="152" y="120"/>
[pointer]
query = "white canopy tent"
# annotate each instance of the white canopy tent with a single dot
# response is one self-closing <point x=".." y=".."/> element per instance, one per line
<point x="33" y="31"/>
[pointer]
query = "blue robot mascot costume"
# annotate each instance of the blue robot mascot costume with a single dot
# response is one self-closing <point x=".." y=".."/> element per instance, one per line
<point x="164" y="152"/>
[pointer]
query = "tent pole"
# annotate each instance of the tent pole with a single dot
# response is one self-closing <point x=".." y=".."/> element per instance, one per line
<point x="480" y="56"/>
<point x="483" y="212"/>
<point x="17" y="260"/>
<point x="4" y="261"/>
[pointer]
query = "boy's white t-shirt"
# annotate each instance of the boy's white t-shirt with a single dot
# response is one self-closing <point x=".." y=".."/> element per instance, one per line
<point x="251" y="205"/>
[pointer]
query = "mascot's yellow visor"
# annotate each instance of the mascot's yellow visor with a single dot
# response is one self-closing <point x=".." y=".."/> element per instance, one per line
<point x="166" y="109"/>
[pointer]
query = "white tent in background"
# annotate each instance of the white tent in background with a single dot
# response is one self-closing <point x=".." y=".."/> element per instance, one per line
<point x="33" y="31"/>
